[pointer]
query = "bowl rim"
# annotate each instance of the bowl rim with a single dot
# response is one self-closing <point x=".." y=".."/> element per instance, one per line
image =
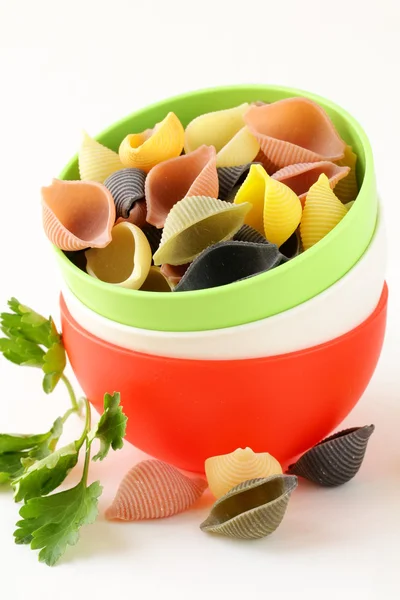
<point x="357" y="208"/>
<point x="381" y="306"/>
<point x="252" y="326"/>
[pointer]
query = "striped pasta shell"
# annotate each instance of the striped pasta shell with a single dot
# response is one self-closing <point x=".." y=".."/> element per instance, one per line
<point x="276" y="210"/>
<point x="125" y="261"/>
<point x="77" y="214"/>
<point x="126" y="187"/>
<point x="147" y="149"/>
<point x="249" y="234"/>
<point x="137" y="215"/>
<point x="96" y="162"/>
<point x="302" y="176"/>
<point x="154" y="490"/>
<point x="229" y="178"/>
<point x="347" y="188"/>
<point x="193" y="174"/>
<point x="228" y="470"/>
<point x="322" y="212"/>
<point x="335" y="460"/>
<point x="253" y="509"/>
<point x="226" y="262"/>
<point x="195" y="223"/>
<point x="294" y="130"/>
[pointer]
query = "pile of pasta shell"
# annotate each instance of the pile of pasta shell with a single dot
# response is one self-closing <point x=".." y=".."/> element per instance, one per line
<point x="238" y="192"/>
<point x="252" y="492"/>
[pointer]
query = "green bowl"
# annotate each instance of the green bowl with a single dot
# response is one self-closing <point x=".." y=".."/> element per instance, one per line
<point x="252" y="299"/>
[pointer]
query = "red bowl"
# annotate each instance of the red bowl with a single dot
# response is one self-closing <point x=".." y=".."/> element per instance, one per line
<point x="183" y="411"/>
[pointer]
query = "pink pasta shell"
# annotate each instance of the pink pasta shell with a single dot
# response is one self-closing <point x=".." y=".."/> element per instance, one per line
<point x="193" y="174"/>
<point x="294" y="130"/>
<point x="154" y="490"/>
<point x="174" y="273"/>
<point x="77" y="214"/>
<point x="302" y="176"/>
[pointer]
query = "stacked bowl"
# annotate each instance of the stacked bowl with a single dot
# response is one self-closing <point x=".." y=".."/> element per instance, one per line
<point x="273" y="362"/>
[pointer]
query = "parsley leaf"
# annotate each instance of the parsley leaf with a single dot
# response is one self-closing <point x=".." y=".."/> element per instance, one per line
<point x="111" y="427"/>
<point x="46" y="475"/>
<point x="53" y="522"/>
<point x="19" y="451"/>
<point x="27" y="333"/>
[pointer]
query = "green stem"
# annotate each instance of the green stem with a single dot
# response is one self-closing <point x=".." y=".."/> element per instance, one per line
<point x="66" y="416"/>
<point x="88" y="443"/>
<point x="71" y="393"/>
<point x="86" y="428"/>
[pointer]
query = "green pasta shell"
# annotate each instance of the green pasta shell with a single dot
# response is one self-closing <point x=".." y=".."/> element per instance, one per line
<point x="195" y="223"/>
<point x="253" y="509"/>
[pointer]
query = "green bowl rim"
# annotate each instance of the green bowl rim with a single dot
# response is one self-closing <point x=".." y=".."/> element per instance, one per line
<point x="368" y="179"/>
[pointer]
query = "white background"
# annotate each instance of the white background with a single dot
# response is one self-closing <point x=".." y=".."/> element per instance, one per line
<point x="70" y="65"/>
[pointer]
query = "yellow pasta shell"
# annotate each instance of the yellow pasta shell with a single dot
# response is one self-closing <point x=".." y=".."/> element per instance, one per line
<point x="195" y="223"/>
<point x="322" y="212"/>
<point x="215" y="128"/>
<point x="96" y="162"/>
<point x="156" y="282"/>
<point x="125" y="261"/>
<point x="347" y="188"/>
<point x="276" y="209"/>
<point x="147" y="149"/>
<point x="228" y="470"/>
<point x="240" y="150"/>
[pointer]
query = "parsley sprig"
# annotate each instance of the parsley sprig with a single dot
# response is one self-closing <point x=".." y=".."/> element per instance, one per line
<point x="32" y="464"/>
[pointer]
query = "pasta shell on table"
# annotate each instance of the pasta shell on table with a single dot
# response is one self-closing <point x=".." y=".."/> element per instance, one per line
<point x="147" y="149"/>
<point x="227" y="262"/>
<point x="226" y="471"/>
<point x="302" y="176"/>
<point x="77" y="214"/>
<point x="154" y="490"/>
<point x="156" y="281"/>
<point x="294" y="130"/>
<point x="276" y="210"/>
<point x="96" y="162"/>
<point x="174" y="273"/>
<point x="322" y="212"/>
<point x="126" y="187"/>
<point x="193" y="174"/>
<point x="227" y="132"/>
<point x="195" y="223"/>
<point x="347" y="188"/>
<point x="137" y="215"/>
<point x="335" y="460"/>
<point x="125" y="261"/>
<point x="253" y="509"/>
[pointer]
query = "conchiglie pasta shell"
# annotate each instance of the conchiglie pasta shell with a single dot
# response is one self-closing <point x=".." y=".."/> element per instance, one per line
<point x="241" y="149"/>
<point x="155" y="281"/>
<point x="77" y="214"/>
<point x="335" y="460"/>
<point x="195" y="223"/>
<point x="322" y="212"/>
<point x="126" y="187"/>
<point x="137" y="215"/>
<point x="253" y="509"/>
<point x="147" y="149"/>
<point x="276" y="210"/>
<point x="193" y="174"/>
<point x="96" y="162"/>
<point x="215" y="128"/>
<point x="228" y="470"/>
<point x="294" y="130"/>
<point x="174" y="273"/>
<point x="229" y="178"/>
<point x="125" y="261"/>
<point x="249" y="234"/>
<point x="347" y="188"/>
<point x="154" y="490"/>
<point x="302" y="176"/>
